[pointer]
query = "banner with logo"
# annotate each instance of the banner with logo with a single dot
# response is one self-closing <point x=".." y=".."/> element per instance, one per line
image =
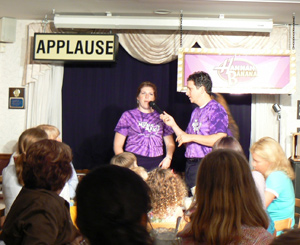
<point x="241" y="71"/>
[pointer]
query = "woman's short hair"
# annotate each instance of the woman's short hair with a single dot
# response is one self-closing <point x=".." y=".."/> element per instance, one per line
<point x="147" y="84"/>
<point x="228" y="142"/>
<point x="124" y="159"/>
<point x="168" y="191"/>
<point x="47" y="165"/>
<point x="271" y="151"/>
<point x="26" y="139"/>
<point x="50" y="130"/>
<point x="226" y="199"/>
<point x="112" y="204"/>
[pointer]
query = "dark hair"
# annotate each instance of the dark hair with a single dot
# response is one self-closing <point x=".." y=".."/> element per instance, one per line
<point x="26" y="139"/>
<point x="291" y="237"/>
<point x="226" y="199"/>
<point x="201" y="78"/>
<point x="111" y="202"/>
<point x="47" y="165"/>
<point x="228" y="142"/>
<point x="147" y="84"/>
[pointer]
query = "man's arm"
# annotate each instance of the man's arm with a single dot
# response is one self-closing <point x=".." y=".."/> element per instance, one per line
<point x="208" y="140"/>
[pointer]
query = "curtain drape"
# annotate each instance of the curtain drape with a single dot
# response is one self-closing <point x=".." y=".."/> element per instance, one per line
<point x="155" y="47"/>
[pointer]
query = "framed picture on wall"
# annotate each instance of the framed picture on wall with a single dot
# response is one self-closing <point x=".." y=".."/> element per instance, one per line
<point x="16" y="98"/>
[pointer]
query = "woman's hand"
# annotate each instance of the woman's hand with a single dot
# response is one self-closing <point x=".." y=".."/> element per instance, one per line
<point x="165" y="163"/>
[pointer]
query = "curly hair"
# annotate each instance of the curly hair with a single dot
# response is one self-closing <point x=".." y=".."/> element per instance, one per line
<point x="47" y="165"/>
<point x="168" y="191"/>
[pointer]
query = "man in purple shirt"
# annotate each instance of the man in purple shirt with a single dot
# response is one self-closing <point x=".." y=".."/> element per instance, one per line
<point x="208" y="123"/>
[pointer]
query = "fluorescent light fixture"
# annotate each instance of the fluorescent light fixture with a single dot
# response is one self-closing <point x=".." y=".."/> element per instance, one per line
<point x="161" y="23"/>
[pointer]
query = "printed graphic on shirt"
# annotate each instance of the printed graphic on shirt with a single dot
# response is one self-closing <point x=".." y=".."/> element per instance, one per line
<point x="196" y="126"/>
<point x="149" y="127"/>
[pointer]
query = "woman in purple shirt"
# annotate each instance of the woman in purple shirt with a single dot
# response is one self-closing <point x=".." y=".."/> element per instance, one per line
<point x="144" y="132"/>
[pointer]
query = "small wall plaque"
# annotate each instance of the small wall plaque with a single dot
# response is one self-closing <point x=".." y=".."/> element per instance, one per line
<point x="16" y="98"/>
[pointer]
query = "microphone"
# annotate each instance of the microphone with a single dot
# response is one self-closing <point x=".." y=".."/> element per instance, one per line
<point x="155" y="107"/>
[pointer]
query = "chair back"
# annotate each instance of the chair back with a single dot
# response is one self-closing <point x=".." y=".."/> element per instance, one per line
<point x="281" y="225"/>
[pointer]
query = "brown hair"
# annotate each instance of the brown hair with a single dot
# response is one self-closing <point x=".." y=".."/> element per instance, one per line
<point x="47" y="165"/>
<point x="50" y="130"/>
<point x="147" y="84"/>
<point x="124" y="159"/>
<point x="228" y="142"/>
<point x="26" y="139"/>
<point x="226" y="199"/>
<point x="271" y="151"/>
<point x="168" y="191"/>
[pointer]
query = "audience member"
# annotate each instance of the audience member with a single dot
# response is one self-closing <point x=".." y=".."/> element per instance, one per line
<point x="290" y="237"/>
<point x="39" y="215"/>
<point x="229" y="142"/>
<point x="54" y="134"/>
<point x="227" y="209"/>
<point x="141" y="172"/>
<point x="270" y="159"/>
<point x="12" y="173"/>
<point x="168" y="192"/>
<point x="112" y="206"/>
<point x="124" y="159"/>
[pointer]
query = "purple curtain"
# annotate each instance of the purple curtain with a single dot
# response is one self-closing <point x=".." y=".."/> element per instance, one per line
<point x="96" y="94"/>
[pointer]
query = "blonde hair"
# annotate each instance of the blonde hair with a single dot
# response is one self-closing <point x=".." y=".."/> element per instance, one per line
<point x="271" y="151"/>
<point x="168" y="191"/>
<point x="26" y="139"/>
<point x="226" y="199"/>
<point x="50" y="130"/>
<point x="141" y="172"/>
<point x="124" y="159"/>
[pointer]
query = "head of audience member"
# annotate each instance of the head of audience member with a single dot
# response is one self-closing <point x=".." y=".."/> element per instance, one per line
<point x="228" y="142"/>
<point x="201" y="78"/>
<point x="149" y="85"/>
<point x="141" y="172"/>
<point x="47" y="165"/>
<point x="124" y="159"/>
<point x="26" y="139"/>
<point x="52" y="131"/>
<point x="290" y="237"/>
<point x="112" y="206"/>
<point x="268" y="156"/>
<point x="226" y="199"/>
<point x="168" y="191"/>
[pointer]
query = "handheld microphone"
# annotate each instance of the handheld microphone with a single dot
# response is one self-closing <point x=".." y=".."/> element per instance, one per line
<point x="155" y="107"/>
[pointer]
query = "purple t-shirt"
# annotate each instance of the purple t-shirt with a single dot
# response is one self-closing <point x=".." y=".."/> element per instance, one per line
<point x="211" y="119"/>
<point x="144" y="132"/>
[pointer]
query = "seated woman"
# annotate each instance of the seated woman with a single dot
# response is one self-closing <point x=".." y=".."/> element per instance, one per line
<point x="112" y="207"/>
<point x="39" y="215"/>
<point x="270" y="159"/>
<point x="227" y="209"/>
<point x="168" y="192"/>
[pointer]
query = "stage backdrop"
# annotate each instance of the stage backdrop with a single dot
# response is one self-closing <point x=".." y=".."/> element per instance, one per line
<point x="96" y="94"/>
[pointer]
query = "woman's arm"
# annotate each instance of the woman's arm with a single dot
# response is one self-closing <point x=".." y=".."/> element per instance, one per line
<point x="119" y="142"/>
<point x="170" y="148"/>
<point x="269" y="197"/>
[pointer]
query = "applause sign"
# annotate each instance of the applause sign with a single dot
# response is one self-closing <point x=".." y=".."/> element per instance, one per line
<point x="75" y="47"/>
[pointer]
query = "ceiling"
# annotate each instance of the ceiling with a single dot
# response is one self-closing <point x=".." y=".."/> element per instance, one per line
<point x="281" y="11"/>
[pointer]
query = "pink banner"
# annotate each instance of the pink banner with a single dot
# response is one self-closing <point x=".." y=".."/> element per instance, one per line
<point x="241" y="73"/>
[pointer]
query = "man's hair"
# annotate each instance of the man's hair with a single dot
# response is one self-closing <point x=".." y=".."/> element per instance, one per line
<point x="111" y="203"/>
<point x="226" y="199"/>
<point x="201" y="78"/>
<point x="47" y="165"/>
